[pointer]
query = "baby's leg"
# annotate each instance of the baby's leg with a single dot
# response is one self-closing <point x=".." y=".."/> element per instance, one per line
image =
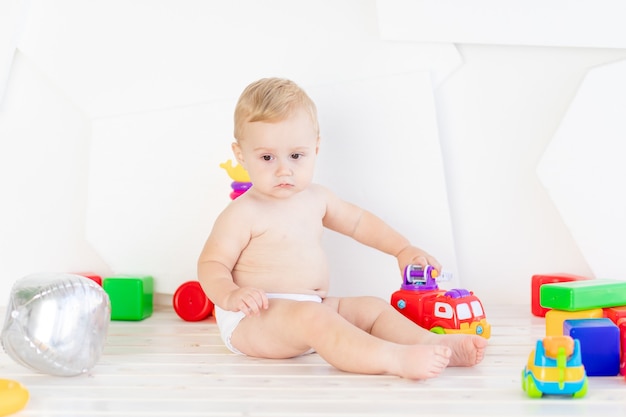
<point x="289" y="328"/>
<point x="379" y="318"/>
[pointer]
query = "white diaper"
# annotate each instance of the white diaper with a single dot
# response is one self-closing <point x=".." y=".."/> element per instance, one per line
<point x="227" y="321"/>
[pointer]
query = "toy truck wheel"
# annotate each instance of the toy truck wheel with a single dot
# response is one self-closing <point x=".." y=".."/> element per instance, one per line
<point x="438" y="330"/>
<point x="583" y="391"/>
<point x="531" y="388"/>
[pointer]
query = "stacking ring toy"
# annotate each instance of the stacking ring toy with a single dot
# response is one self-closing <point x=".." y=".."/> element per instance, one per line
<point x="13" y="397"/>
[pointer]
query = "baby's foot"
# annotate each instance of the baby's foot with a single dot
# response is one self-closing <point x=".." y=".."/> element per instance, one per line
<point x="421" y="361"/>
<point x="467" y="350"/>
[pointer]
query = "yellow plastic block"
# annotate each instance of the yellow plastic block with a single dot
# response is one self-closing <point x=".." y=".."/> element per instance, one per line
<point x="555" y="319"/>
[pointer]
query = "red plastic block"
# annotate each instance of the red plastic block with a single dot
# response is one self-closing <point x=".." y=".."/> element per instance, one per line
<point x="622" y="337"/>
<point x="540" y="279"/>
<point x="615" y="314"/>
<point x="92" y="276"/>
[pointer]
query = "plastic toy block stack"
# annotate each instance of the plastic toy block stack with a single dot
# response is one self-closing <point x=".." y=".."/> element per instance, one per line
<point x="541" y="279"/>
<point x="131" y="296"/>
<point x="586" y="310"/>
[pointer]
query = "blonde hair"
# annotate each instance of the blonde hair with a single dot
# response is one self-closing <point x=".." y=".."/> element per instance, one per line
<point x="271" y="99"/>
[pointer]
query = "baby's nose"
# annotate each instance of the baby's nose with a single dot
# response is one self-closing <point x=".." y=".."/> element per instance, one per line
<point x="283" y="169"/>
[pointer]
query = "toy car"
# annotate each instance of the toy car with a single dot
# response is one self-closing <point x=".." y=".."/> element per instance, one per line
<point x="555" y="367"/>
<point x="440" y="311"/>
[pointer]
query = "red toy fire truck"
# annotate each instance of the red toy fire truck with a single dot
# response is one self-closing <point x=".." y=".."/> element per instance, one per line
<point x="440" y="311"/>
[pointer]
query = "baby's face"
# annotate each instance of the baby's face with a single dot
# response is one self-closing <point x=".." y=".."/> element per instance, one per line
<point x="279" y="156"/>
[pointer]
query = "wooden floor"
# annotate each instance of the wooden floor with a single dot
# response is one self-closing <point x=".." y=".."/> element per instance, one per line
<point x="163" y="366"/>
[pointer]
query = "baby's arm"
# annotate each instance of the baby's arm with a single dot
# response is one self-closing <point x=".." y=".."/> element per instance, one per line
<point x="217" y="260"/>
<point x="370" y="230"/>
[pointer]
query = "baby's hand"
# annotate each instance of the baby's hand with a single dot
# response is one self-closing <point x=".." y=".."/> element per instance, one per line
<point x="248" y="300"/>
<point x="416" y="256"/>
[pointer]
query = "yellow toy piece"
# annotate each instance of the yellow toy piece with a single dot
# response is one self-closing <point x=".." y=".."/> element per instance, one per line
<point x="13" y="397"/>
<point x="237" y="173"/>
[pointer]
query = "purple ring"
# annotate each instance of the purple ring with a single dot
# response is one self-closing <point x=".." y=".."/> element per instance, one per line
<point x="241" y="186"/>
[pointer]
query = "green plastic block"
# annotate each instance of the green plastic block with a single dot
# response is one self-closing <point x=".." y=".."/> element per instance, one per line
<point x="583" y="295"/>
<point x="131" y="296"/>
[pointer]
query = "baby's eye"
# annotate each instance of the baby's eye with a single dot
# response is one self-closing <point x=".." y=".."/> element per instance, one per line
<point x="267" y="157"/>
<point x="296" y="155"/>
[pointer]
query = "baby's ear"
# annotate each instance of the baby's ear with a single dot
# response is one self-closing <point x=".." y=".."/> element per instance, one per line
<point x="317" y="146"/>
<point x="237" y="152"/>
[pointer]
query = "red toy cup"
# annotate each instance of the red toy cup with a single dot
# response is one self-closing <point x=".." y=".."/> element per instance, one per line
<point x="191" y="303"/>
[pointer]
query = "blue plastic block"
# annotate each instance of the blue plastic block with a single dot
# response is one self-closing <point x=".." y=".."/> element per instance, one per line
<point x="599" y="344"/>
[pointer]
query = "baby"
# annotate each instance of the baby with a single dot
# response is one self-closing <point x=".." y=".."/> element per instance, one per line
<point x="264" y="267"/>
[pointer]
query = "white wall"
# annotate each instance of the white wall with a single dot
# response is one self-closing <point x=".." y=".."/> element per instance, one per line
<point x="116" y="115"/>
<point x="497" y="114"/>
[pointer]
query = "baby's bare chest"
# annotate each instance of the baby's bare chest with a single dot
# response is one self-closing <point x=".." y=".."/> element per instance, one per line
<point x="296" y="221"/>
<point x="290" y="247"/>
<point x="293" y="229"/>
